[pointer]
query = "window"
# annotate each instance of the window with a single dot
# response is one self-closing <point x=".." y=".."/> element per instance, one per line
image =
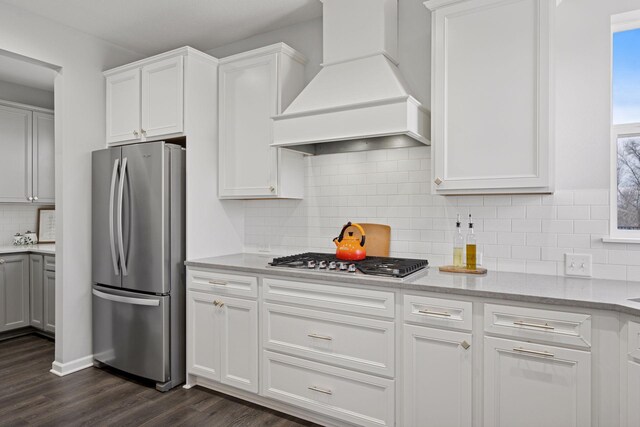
<point x="625" y="119"/>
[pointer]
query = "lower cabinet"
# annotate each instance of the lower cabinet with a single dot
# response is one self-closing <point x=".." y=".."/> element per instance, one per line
<point x="532" y="385"/>
<point x="437" y="378"/>
<point x="42" y="292"/>
<point x="14" y="292"/>
<point x="222" y="339"/>
<point x="633" y="393"/>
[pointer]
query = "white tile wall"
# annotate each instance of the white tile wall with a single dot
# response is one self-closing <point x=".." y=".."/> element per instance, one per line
<point x="522" y="233"/>
<point x="14" y="219"/>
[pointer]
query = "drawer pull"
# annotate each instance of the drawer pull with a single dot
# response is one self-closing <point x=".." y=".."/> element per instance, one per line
<point x="218" y="303"/>
<point x="320" y="390"/>
<point x="533" y="325"/>
<point x="217" y="282"/>
<point x="465" y="344"/>
<point x="435" y="313"/>
<point x="534" y="352"/>
<point x="320" y="337"/>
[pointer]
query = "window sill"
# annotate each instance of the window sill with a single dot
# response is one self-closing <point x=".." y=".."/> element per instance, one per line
<point x="629" y="240"/>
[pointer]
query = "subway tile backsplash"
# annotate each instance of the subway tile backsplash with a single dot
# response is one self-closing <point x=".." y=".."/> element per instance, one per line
<point x="521" y="233"/>
<point x="16" y="218"/>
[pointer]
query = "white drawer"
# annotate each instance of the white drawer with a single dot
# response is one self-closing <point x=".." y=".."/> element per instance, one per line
<point x="352" y="300"/>
<point x="633" y="340"/>
<point x="347" y="395"/>
<point x="555" y="327"/>
<point x="347" y="341"/>
<point x="222" y="283"/>
<point x="438" y="312"/>
<point x="50" y="263"/>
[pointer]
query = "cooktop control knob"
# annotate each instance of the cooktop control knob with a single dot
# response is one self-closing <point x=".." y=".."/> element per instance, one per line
<point x="332" y="265"/>
<point x="352" y="268"/>
<point x="343" y="266"/>
<point x="311" y="264"/>
<point x="322" y="264"/>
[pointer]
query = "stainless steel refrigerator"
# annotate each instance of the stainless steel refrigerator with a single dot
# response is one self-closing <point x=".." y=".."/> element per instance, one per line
<point x="138" y="256"/>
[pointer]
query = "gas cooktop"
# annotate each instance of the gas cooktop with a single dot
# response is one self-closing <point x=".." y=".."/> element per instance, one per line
<point x="372" y="265"/>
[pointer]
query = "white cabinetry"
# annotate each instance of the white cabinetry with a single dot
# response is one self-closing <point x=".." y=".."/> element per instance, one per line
<point x="222" y="339"/>
<point x="27" y="146"/>
<point x="631" y="373"/>
<point x="535" y="385"/>
<point x="438" y="369"/>
<point x="14" y="292"/>
<point x="492" y="96"/>
<point x="253" y="87"/>
<point x="145" y="100"/>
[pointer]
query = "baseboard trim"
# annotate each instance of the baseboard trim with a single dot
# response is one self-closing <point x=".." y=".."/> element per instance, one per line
<point x="62" y="369"/>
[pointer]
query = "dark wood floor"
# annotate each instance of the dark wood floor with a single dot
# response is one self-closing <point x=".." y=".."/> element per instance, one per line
<point x="31" y="395"/>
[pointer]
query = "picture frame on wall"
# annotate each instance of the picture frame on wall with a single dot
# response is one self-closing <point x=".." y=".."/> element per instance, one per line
<point x="46" y="225"/>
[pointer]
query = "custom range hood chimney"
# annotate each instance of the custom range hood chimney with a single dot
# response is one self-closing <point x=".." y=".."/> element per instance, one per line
<point x="359" y="100"/>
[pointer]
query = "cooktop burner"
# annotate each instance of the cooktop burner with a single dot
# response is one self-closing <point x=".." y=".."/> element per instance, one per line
<point x="377" y="266"/>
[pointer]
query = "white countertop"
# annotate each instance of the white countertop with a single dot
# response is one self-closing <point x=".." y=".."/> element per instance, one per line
<point x="41" y="248"/>
<point x="589" y="293"/>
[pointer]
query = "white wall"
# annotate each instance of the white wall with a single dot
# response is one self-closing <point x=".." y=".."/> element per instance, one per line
<point x="80" y="129"/>
<point x="26" y="95"/>
<point x="517" y="233"/>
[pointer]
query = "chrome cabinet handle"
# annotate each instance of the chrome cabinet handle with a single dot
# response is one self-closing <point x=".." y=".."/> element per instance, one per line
<point x="533" y="352"/>
<point x="123" y="260"/>
<point x="218" y="303"/>
<point x="30" y="199"/>
<point x="465" y="344"/>
<point x="1" y="261"/>
<point x="320" y="390"/>
<point x="533" y="325"/>
<point x="144" y="132"/>
<point x="218" y="282"/>
<point x="438" y="181"/>
<point x="320" y="337"/>
<point x="135" y="133"/>
<point x="435" y="313"/>
<point x="272" y="189"/>
<point x="35" y="198"/>
<point x="112" y="238"/>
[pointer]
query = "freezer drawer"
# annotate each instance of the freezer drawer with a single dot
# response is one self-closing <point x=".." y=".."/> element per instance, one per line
<point x="131" y="332"/>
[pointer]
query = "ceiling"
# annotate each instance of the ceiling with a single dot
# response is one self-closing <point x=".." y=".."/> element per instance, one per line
<point x="25" y="73"/>
<point x="152" y="26"/>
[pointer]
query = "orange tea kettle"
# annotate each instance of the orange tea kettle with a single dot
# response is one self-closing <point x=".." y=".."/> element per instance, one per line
<point x="350" y="248"/>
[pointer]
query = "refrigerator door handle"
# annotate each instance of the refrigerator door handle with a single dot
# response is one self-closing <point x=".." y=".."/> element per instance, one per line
<point x="123" y="259"/>
<point x="127" y="300"/>
<point x="112" y="238"/>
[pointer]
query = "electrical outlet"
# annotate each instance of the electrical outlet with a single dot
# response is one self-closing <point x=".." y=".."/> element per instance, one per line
<point x="577" y="265"/>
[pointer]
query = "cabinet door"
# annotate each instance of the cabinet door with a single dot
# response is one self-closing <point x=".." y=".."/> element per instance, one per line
<point x="633" y="393"/>
<point x="163" y="97"/>
<point x="15" y="161"/>
<point x="203" y="335"/>
<point x="531" y="385"/>
<point x="239" y="343"/>
<point x="492" y="96"/>
<point x="43" y="158"/>
<point x="437" y="377"/>
<point x="247" y="100"/>
<point x="14" y="292"/>
<point x="49" y="286"/>
<point x="36" y="295"/>
<point x="123" y="106"/>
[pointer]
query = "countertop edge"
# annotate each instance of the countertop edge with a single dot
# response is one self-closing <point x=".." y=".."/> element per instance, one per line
<point x="481" y="293"/>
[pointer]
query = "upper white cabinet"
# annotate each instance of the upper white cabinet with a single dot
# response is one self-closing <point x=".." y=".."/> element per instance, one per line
<point x="146" y="99"/>
<point x="254" y="86"/>
<point x="27" y="154"/>
<point x="492" y="96"/>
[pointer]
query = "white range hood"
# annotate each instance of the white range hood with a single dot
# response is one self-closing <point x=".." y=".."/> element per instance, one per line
<point x="359" y="100"/>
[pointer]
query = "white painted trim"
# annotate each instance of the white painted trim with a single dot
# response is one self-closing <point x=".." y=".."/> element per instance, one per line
<point x="267" y="50"/>
<point x="181" y="51"/>
<point x="62" y="369"/>
<point x="25" y="106"/>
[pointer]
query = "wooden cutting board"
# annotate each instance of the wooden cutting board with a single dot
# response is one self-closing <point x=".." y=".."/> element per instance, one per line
<point x="377" y="240"/>
<point x="452" y="269"/>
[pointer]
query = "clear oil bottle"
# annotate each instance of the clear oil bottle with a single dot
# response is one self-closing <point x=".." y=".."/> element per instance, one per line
<point x="458" y="245"/>
<point x="471" y="246"/>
